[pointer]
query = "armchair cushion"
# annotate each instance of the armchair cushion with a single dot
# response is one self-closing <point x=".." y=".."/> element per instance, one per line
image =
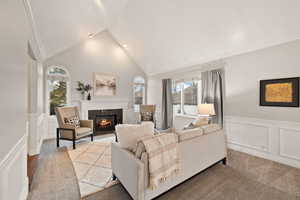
<point x="79" y="133"/>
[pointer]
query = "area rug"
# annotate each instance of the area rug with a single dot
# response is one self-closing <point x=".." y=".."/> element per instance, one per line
<point x="92" y="164"/>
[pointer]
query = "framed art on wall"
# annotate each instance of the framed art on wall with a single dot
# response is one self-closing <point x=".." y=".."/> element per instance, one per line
<point x="105" y="84"/>
<point x="280" y="92"/>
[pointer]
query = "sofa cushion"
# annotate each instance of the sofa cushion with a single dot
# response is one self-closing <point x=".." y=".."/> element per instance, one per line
<point x="211" y="128"/>
<point x="128" y="134"/>
<point x="189" y="134"/>
<point x="201" y="121"/>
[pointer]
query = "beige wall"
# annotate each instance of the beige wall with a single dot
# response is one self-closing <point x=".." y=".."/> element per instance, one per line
<point x="244" y="72"/>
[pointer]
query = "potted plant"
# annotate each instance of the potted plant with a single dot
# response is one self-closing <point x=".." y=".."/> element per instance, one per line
<point x="83" y="89"/>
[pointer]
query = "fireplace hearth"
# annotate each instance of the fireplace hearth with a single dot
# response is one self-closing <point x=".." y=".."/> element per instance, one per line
<point x="106" y="120"/>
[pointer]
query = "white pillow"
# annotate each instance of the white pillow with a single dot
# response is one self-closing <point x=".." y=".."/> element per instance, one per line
<point x="128" y="134"/>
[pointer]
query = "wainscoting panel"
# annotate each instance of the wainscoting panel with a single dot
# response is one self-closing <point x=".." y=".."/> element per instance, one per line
<point x="290" y="143"/>
<point x="274" y="140"/>
<point x="249" y="135"/>
<point x="13" y="173"/>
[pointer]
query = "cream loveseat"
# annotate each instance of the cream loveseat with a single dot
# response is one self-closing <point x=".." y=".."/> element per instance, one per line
<point x="196" y="154"/>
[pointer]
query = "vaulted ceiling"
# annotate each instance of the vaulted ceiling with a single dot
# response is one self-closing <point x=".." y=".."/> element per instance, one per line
<point x="164" y="35"/>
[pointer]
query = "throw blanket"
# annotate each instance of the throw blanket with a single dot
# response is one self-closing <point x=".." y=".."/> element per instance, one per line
<point x="163" y="157"/>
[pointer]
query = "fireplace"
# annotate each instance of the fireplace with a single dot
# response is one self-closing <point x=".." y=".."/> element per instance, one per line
<point x="105" y="120"/>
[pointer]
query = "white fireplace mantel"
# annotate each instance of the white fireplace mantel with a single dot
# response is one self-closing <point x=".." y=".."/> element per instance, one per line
<point x="85" y="106"/>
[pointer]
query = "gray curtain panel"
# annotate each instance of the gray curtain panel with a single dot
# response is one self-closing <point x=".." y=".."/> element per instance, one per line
<point x="212" y="92"/>
<point x="167" y="104"/>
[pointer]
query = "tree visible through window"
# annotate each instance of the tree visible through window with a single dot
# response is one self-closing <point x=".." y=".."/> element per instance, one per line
<point x="58" y="94"/>
<point x="186" y="96"/>
<point x="57" y="88"/>
<point x="138" y="92"/>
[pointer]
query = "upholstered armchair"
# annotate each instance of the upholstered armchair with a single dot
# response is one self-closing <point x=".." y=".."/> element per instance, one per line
<point x="69" y="131"/>
<point x="147" y="113"/>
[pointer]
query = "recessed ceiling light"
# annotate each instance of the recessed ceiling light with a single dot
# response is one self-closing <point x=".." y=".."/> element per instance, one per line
<point x="90" y="35"/>
<point x="125" y="45"/>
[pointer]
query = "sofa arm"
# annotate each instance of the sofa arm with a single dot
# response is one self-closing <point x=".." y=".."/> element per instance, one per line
<point x="129" y="170"/>
<point x="87" y="123"/>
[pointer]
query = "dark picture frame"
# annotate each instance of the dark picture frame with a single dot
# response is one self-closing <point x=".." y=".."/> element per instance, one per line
<point x="295" y="92"/>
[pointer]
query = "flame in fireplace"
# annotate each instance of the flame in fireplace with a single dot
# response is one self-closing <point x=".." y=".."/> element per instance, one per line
<point x="105" y="123"/>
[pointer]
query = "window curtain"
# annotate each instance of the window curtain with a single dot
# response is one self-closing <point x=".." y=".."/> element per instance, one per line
<point x="212" y="92"/>
<point x="167" y="104"/>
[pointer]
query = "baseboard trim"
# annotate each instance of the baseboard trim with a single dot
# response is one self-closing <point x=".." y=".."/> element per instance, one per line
<point x="265" y="155"/>
<point x="269" y="139"/>
<point x="25" y="191"/>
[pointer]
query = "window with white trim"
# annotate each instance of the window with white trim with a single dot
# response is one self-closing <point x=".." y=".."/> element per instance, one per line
<point x="139" y="91"/>
<point x="186" y="96"/>
<point x="57" y="88"/>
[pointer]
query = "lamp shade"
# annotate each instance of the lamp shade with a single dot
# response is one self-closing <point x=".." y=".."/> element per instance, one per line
<point x="206" y="109"/>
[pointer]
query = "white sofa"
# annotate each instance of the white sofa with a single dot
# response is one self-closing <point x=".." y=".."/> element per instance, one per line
<point x="196" y="155"/>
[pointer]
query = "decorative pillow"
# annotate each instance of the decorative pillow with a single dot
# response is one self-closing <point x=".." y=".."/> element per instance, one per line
<point x="128" y="134"/>
<point x="74" y="121"/>
<point x="201" y="121"/>
<point x="147" y="116"/>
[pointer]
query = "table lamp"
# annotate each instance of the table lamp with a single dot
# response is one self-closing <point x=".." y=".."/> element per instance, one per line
<point x="207" y="110"/>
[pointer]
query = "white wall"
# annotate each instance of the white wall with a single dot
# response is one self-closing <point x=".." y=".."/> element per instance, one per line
<point x="36" y="115"/>
<point x="244" y="72"/>
<point x="13" y="107"/>
<point x="269" y="132"/>
<point x="99" y="54"/>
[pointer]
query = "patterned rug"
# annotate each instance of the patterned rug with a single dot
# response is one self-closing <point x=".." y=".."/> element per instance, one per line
<point x="92" y="164"/>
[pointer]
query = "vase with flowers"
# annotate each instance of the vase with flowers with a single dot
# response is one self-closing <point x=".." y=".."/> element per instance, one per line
<point x="84" y="89"/>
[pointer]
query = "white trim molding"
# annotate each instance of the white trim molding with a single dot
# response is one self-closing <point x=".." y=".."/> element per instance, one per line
<point x="38" y="128"/>
<point x="13" y="172"/>
<point x="85" y="106"/>
<point x="269" y="139"/>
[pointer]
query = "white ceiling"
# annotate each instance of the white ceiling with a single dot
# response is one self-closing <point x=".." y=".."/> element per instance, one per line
<point x="60" y="24"/>
<point x="164" y="35"/>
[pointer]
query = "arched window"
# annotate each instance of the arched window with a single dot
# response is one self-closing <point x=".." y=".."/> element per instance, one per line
<point x="57" y="88"/>
<point x="139" y="92"/>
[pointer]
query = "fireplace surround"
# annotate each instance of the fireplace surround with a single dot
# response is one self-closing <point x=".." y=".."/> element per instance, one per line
<point x="105" y="120"/>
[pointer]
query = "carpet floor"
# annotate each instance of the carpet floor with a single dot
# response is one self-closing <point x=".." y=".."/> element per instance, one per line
<point x="244" y="178"/>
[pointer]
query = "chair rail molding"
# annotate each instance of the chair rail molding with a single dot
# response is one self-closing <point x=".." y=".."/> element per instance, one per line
<point x="13" y="172"/>
<point x="269" y="139"/>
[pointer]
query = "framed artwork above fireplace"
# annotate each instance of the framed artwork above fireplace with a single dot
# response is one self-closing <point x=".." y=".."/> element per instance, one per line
<point x="104" y="84"/>
<point x="280" y="92"/>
